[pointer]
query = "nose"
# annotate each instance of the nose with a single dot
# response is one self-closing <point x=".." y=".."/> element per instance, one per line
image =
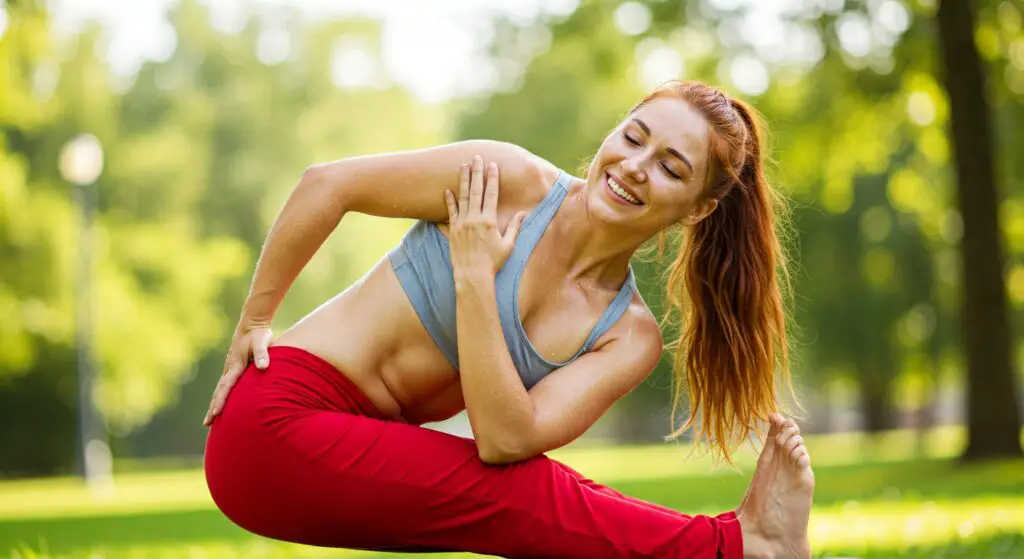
<point x="634" y="168"/>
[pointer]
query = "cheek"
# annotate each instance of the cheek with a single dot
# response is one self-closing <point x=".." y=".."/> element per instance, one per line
<point x="600" y="161"/>
<point x="612" y="149"/>
<point x="677" y="198"/>
<point x="693" y="192"/>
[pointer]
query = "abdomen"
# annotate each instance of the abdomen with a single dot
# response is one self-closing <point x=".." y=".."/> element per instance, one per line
<point x="371" y="333"/>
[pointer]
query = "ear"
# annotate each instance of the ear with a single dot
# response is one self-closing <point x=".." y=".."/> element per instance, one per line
<point x="700" y="210"/>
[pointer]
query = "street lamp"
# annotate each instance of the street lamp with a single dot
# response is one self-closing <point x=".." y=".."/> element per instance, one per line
<point x="81" y="162"/>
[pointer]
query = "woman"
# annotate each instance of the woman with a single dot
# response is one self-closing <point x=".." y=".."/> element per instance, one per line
<point x="320" y="444"/>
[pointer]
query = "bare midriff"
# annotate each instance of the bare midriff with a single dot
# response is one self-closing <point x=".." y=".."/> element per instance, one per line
<point x="371" y="333"/>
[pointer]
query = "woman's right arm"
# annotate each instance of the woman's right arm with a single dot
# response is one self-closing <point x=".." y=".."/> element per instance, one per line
<point x="408" y="184"/>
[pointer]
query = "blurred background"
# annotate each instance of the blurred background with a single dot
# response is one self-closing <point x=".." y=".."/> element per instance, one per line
<point x="146" y="147"/>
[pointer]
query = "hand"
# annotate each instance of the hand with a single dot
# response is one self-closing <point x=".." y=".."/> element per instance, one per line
<point x="249" y="341"/>
<point x="477" y="247"/>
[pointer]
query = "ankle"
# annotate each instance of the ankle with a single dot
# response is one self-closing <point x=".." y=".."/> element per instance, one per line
<point x="756" y="544"/>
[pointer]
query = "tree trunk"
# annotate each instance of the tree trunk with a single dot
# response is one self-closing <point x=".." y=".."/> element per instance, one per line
<point x="875" y="405"/>
<point x="993" y="423"/>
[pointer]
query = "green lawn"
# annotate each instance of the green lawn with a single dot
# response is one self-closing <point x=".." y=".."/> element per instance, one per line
<point x="874" y="499"/>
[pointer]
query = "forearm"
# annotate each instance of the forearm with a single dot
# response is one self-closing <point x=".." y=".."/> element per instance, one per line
<point x="500" y="410"/>
<point x="308" y="217"/>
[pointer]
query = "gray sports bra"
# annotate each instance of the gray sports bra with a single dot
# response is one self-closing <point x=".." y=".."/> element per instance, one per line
<point x="422" y="263"/>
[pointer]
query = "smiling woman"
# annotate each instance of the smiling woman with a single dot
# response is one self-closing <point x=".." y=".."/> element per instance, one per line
<point x="724" y="280"/>
<point x="520" y="308"/>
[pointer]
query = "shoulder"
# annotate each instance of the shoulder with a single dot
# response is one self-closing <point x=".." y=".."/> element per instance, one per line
<point x="525" y="176"/>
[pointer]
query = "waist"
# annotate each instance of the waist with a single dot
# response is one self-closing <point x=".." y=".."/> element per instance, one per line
<point x="297" y="377"/>
<point x="371" y="334"/>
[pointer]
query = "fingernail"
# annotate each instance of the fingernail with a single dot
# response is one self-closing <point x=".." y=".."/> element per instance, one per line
<point x="261" y="363"/>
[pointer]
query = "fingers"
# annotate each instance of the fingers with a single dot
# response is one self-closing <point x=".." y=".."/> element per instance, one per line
<point x="220" y="394"/>
<point x="513" y="228"/>
<point x="478" y="191"/>
<point x="490" y="207"/>
<point x="476" y="186"/>
<point x="234" y="366"/>
<point x="253" y="342"/>
<point x="260" y="349"/>
<point x="453" y="206"/>
<point x="464" y="171"/>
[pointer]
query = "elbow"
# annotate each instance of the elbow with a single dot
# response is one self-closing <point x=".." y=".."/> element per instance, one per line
<point x="322" y="183"/>
<point x="497" y="453"/>
<point x="313" y="175"/>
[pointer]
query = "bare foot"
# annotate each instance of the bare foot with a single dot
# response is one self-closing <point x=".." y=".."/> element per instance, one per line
<point x="774" y="514"/>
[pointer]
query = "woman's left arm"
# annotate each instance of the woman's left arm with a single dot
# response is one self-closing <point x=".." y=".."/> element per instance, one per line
<point x="512" y="424"/>
<point x="509" y="423"/>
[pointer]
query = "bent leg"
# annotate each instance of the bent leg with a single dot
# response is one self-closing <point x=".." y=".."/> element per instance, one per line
<point x="334" y="479"/>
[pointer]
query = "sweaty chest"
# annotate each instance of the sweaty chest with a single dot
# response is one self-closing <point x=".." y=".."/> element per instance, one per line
<point x="547" y="317"/>
<point x="546" y="320"/>
<point x="556" y="315"/>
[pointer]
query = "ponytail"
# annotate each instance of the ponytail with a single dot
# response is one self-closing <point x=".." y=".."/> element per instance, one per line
<point x="725" y="285"/>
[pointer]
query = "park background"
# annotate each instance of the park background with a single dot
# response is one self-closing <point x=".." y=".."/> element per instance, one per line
<point x="897" y="130"/>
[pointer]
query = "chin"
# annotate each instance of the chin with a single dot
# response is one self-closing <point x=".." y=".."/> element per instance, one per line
<point x="601" y="210"/>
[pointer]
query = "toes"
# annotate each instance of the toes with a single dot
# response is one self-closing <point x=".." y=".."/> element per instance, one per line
<point x="796" y="447"/>
<point x="776" y="420"/>
<point x="793" y="443"/>
<point x="798" y="454"/>
<point x="787" y="433"/>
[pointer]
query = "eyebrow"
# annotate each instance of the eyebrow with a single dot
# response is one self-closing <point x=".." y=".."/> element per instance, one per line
<point x="671" y="151"/>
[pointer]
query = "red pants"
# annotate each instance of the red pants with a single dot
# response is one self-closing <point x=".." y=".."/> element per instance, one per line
<point x="300" y="454"/>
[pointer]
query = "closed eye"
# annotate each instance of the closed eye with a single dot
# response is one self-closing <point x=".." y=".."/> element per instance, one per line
<point x="632" y="140"/>
<point x="671" y="172"/>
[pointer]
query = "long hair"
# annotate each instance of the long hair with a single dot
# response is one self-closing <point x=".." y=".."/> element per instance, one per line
<point x="726" y="284"/>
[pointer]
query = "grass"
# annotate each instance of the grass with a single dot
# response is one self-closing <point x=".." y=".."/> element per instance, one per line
<point x="874" y="499"/>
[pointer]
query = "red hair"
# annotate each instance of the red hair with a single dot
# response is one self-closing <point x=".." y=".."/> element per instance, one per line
<point x="725" y="283"/>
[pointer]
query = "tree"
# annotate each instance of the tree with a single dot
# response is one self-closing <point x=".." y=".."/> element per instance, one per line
<point x="993" y="420"/>
<point x="201" y="150"/>
<point x="255" y="121"/>
<point x="36" y="220"/>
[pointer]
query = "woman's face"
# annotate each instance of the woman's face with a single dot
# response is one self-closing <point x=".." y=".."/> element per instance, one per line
<point x="659" y="156"/>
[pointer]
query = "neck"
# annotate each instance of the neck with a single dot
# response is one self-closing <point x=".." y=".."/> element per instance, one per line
<point x="592" y="252"/>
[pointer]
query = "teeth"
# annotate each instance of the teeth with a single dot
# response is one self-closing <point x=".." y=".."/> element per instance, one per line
<point x="616" y="188"/>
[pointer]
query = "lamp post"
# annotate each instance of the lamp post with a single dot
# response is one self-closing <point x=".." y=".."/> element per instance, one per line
<point x="81" y="161"/>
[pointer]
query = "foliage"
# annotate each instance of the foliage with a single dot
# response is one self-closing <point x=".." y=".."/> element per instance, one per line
<point x="201" y="150"/>
<point x="858" y="121"/>
<point x="203" y="147"/>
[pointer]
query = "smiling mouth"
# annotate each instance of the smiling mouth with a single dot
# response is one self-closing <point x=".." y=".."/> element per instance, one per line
<point x="620" y="192"/>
